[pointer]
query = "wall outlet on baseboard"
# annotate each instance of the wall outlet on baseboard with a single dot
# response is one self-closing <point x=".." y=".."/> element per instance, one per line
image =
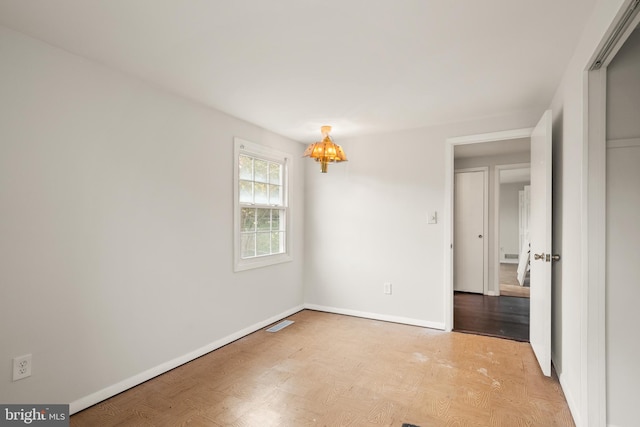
<point x="387" y="288"/>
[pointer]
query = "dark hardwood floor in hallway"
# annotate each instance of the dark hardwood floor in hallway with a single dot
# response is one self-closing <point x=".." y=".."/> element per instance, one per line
<point x="503" y="316"/>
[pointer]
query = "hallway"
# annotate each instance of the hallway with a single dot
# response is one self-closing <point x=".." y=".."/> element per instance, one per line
<point x="503" y="316"/>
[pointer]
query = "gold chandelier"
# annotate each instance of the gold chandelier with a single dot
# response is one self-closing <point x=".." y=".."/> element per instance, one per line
<point x="325" y="151"/>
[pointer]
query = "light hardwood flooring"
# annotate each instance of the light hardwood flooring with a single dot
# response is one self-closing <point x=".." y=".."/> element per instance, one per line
<point x="333" y="370"/>
<point x="509" y="285"/>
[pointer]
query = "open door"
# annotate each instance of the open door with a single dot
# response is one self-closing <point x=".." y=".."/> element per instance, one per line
<point x="540" y="236"/>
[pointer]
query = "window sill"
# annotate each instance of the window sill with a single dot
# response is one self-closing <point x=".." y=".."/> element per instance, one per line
<point x="259" y="262"/>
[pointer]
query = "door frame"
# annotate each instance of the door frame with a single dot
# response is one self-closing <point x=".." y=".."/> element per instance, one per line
<point x="485" y="223"/>
<point x="496" y="218"/>
<point x="594" y="207"/>
<point x="593" y="300"/>
<point x="451" y="143"/>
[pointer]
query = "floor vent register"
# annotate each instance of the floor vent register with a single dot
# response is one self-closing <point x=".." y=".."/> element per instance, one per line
<point x="281" y="325"/>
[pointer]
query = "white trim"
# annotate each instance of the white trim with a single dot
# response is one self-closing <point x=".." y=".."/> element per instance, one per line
<point x="377" y="316"/>
<point x="593" y="301"/>
<point x="491" y="137"/>
<point x="448" y="237"/>
<point x="84" y="402"/>
<point x="571" y="401"/>
<point x="623" y="143"/>
<point x="485" y="224"/>
<point x="448" y="206"/>
<point x="496" y="221"/>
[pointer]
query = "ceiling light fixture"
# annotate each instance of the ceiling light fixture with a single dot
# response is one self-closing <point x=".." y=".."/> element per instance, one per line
<point x="325" y="151"/>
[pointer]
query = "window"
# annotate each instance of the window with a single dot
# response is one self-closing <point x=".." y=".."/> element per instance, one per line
<point x="261" y="211"/>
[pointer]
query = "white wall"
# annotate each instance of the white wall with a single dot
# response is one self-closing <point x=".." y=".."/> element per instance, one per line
<point x="570" y="338"/>
<point x="491" y="162"/>
<point x="510" y="220"/>
<point x="623" y="232"/>
<point x="116" y="225"/>
<point x="367" y="224"/>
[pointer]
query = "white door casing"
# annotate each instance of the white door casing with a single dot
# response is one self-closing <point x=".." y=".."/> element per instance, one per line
<point x="540" y="235"/>
<point x="470" y="231"/>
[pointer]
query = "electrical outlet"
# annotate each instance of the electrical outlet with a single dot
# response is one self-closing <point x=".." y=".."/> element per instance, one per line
<point x="387" y="288"/>
<point x="21" y="367"/>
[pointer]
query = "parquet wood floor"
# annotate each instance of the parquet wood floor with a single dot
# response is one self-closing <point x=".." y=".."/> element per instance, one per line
<point x="333" y="370"/>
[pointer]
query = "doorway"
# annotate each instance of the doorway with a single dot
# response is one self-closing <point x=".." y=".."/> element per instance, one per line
<point x="485" y="310"/>
<point x="540" y="143"/>
<point x="513" y="208"/>
<point x="622" y="230"/>
<point x="606" y="402"/>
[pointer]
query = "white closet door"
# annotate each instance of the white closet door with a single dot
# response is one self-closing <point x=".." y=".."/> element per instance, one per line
<point x="469" y="233"/>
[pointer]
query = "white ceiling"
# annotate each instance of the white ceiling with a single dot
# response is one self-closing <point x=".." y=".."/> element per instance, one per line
<point x="290" y="66"/>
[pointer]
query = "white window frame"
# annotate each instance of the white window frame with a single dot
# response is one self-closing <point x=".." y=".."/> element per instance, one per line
<point x="244" y="147"/>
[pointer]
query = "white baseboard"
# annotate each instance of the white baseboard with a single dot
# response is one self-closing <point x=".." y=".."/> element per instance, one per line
<point x="105" y="393"/>
<point x="376" y="316"/>
<point x="573" y="408"/>
<point x="493" y="293"/>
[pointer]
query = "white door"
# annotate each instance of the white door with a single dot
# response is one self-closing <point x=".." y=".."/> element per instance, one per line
<point x="468" y="246"/>
<point x="540" y="236"/>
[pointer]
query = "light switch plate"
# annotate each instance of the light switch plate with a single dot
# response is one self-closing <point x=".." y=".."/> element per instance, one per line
<point x="387" y="288"/>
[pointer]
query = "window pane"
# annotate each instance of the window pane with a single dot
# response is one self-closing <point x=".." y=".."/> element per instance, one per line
<point x="263" y="244"/>
<point x="275" y="219"/>
<point x="260" y="193"/>
<point x="248" y="245"/>
<point x="274" y="173"/>
<point x="246" y="192"/>
<point x="277" y="242"/>
<point x="246" y="168"/>
<point x="275" y="197"/>
<point x="261" y="170"/>
<point x="248" y="219"/>
<point x="263" y="219"/>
